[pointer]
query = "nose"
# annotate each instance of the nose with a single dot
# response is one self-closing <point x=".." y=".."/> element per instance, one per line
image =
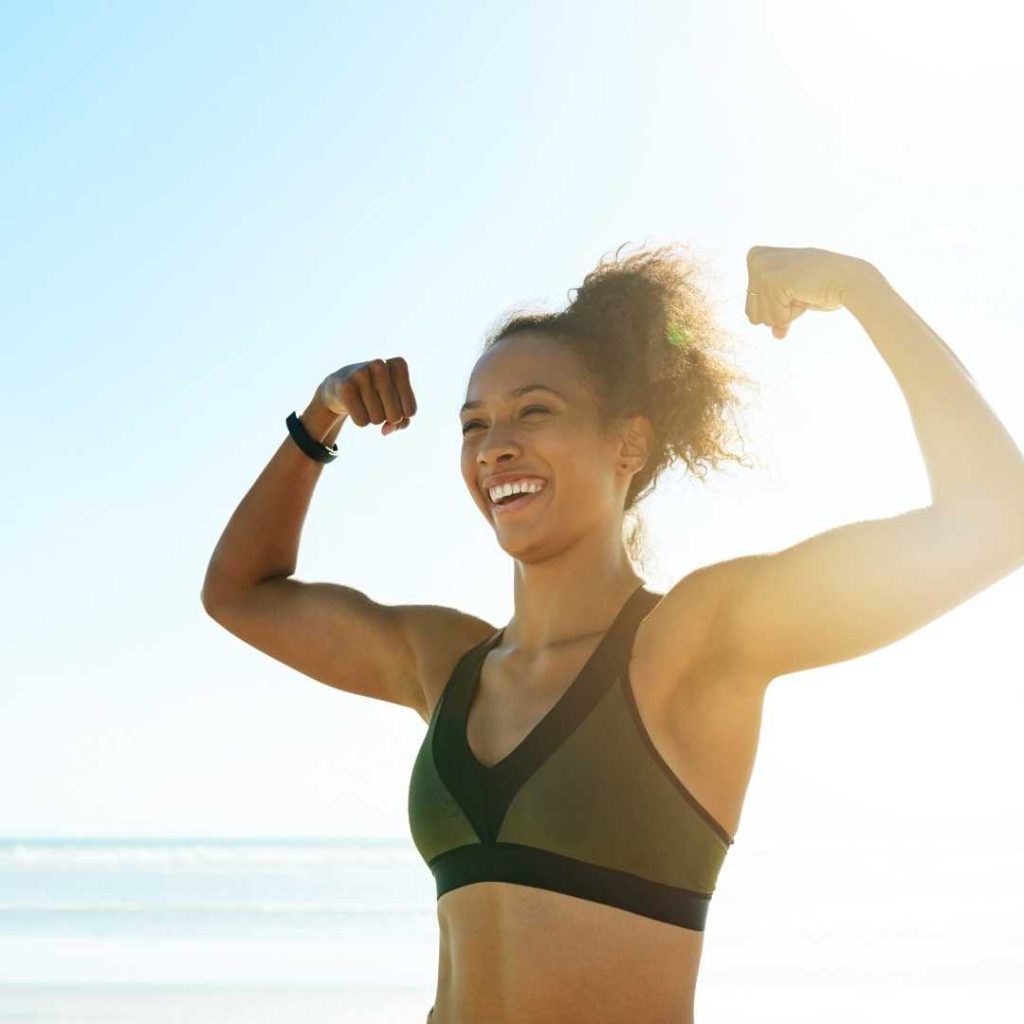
<point x="497" y="446"/>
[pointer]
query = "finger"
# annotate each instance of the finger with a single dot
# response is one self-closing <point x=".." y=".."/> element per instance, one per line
<point x="399" y="369"/>
<point x="388" y="395"/>
<point x="369" y="377"/>
<point x="780" y="315"/>
<point x="775" y="313"/>
<point x="400" y="424"/>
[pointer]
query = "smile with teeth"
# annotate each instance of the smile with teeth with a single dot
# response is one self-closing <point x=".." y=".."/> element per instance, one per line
<point x="514" y="493"/>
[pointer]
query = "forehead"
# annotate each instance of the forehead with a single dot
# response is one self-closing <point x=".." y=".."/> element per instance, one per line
<point x="519" y="360"/>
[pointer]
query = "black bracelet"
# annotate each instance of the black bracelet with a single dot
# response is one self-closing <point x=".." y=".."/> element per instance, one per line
<point x="316" y="450"/>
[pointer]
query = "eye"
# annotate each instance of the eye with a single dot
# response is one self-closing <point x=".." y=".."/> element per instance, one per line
<point x="530" y="408"/>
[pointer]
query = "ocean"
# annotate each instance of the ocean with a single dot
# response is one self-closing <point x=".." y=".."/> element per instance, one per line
<point x="193" y="930"/>
<point x="334" y="931"/>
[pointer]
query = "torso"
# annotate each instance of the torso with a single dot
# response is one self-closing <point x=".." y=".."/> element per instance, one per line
<point x="511" y="953"/>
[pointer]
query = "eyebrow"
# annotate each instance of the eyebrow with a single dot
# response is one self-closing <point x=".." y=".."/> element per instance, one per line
<point x="515" y="393"/>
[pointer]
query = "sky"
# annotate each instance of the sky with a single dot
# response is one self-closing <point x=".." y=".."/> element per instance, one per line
<point x="207" y="208"/>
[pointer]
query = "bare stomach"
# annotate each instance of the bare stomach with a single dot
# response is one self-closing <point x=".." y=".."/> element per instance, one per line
<point x="511" y="953"/>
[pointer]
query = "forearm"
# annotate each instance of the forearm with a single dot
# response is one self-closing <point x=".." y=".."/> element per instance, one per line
<point x="261" y="538"/>
<point x="972" y="461"/>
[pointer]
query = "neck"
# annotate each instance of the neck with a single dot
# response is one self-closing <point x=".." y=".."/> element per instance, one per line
<point x="569" y="597"/>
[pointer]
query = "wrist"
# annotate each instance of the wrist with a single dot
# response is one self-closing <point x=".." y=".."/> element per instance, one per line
<point x="862" y="281"/>
<point x="320" y="421"/>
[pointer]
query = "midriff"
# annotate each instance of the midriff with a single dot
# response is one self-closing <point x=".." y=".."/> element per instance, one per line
<point x="512" y="954"/>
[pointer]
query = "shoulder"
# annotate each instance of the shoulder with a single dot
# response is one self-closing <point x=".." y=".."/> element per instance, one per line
<point x="438" y="637"/>
<point x="690" y="628"/>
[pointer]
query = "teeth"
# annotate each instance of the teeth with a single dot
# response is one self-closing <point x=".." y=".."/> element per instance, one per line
<point x="515" y="487"/>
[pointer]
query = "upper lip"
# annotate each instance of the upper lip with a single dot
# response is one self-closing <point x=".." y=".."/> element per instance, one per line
<point x="503" y="478"/>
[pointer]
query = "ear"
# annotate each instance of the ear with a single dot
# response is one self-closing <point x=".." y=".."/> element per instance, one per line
<point x="637" y="435"/>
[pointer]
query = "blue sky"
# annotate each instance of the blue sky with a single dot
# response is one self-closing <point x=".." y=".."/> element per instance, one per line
<point x="206" y="208"/>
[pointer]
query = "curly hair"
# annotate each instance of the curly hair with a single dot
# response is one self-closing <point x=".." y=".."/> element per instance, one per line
<point x="650" y="344"/>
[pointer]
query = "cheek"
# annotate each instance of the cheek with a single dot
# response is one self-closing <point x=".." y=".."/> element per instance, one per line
<point x="469" y="471"/>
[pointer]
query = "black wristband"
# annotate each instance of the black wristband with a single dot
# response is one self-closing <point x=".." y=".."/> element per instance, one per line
<point x="316" y="450"/>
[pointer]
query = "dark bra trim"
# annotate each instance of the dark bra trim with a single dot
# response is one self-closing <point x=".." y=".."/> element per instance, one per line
<point x="655" y="754"/>
<point x="541" y="869"/>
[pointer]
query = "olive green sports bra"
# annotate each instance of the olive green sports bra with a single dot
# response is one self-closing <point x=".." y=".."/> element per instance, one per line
<point x="585" y="805"/>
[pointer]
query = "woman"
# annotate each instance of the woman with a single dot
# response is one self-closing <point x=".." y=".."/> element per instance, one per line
<point x="584" y="767"/>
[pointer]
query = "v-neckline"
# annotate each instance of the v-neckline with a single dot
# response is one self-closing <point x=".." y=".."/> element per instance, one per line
<point x="534" y="735"/>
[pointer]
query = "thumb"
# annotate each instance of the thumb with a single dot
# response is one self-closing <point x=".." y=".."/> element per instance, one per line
<point x="788" y="315"/>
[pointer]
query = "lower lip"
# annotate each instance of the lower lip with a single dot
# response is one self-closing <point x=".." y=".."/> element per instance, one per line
<point x="518" y="505"/>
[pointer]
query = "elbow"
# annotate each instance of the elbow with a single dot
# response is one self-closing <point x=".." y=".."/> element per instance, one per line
<point x="217" y="590"/>
<point x="211" y="599"/>
<point x="206" y="602"/>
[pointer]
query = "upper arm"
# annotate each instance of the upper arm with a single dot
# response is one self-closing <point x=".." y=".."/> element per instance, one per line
<point x="856" y="588"/>
<point x="339" y="636"/>
<point x="683" y="636"/>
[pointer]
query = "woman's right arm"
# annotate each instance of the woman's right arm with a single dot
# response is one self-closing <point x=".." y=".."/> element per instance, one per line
<point x="332" y="633"/>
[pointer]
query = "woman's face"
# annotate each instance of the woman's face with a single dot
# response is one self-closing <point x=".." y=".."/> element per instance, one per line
<point x="540" y="434"/>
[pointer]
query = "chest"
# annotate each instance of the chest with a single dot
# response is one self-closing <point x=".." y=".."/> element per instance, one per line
<point x="704" y="729"/>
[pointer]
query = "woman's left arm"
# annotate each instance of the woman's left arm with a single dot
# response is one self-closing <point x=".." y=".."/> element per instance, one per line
<point x="860" y="586"/>
<point x="975" y="469"/>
